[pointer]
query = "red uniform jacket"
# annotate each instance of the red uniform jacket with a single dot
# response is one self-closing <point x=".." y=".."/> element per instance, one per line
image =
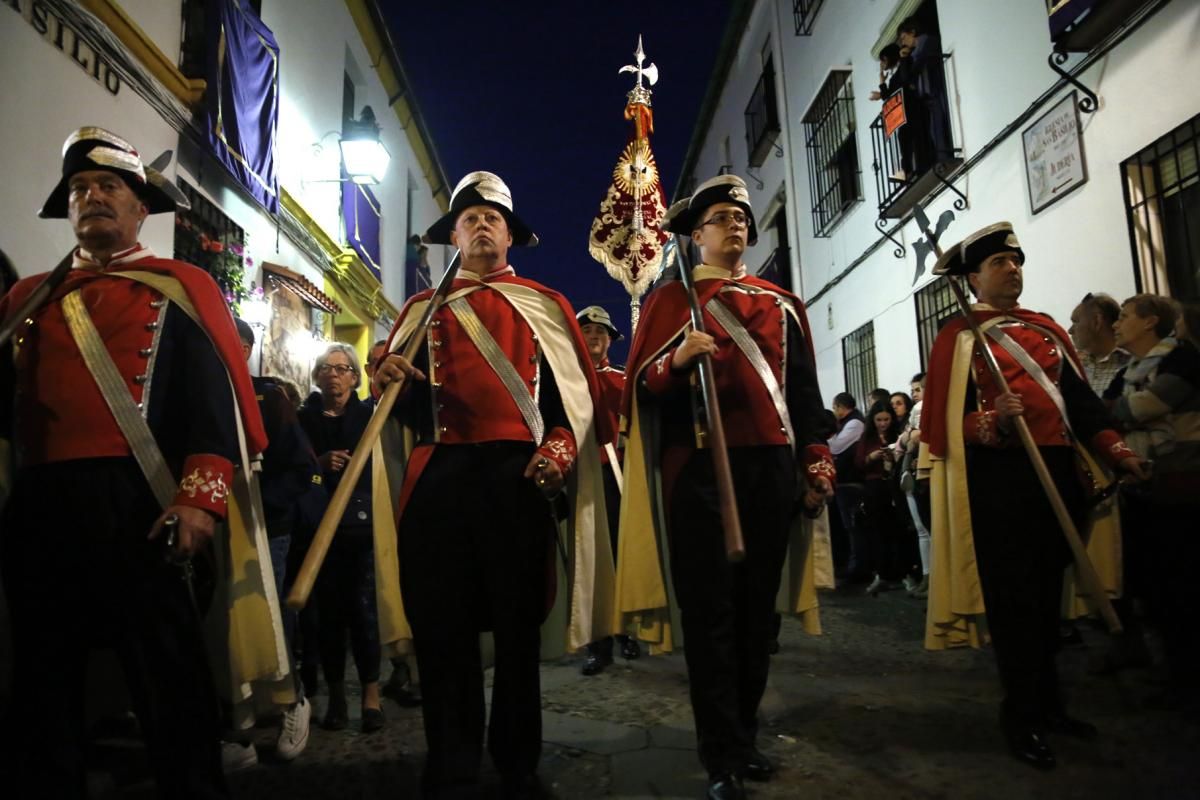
<point x="61" y="414"/>
<point x="612" y="386"/>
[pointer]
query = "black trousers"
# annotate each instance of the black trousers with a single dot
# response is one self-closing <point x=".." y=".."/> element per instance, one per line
<point x="475" y="540"/>
<point x="79" y="570"/>
<point x="1021" y="554"/>
<point x="727" y="609"/>
<point x="883" y="532"/>
<point x="346" y="599"/>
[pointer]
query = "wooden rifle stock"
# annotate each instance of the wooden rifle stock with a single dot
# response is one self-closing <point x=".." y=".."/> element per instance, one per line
<point x="735" y="546"/>
<point x="307" y="575"/>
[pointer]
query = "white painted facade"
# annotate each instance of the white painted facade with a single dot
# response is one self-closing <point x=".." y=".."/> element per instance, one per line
<point x="1147" y="86"/>
<point x="47" y="95"/>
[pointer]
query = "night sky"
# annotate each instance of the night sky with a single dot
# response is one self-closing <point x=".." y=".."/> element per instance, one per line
<point x="530" y="91"/>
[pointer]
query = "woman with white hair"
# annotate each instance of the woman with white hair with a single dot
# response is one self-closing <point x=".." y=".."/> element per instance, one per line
<point x="334" y="418"/>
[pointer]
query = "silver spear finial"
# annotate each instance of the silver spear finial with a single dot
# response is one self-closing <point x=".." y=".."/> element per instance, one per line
<point x="640" y="93"/>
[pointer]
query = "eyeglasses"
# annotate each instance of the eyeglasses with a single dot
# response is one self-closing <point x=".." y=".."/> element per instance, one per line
<point x="340" y="369"/>
<point x="726" y="218"/>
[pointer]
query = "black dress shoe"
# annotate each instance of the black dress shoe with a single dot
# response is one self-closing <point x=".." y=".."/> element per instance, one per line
<point x="1069" y="726"/>
<point x="1029" y="745"/>
<point x="372" y="719"/>
<point x="630" y="649"/>
<point x="758" y="767"/>
<point x="594" y="664"/>
<point x="725" y="786"/>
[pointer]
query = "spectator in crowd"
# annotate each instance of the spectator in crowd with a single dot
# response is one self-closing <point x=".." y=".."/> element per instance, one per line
<point x="1187" y="327"/>
<point x="848" y="554"/>
<point x="879" y="526"/>
<point x="1092" y="332"/>
<point x="878" y="395"/>
<point x="914" y="486"/>
<point x="1157" y="398"/>
<point x="334" y="419"/>
<point x="933" y="141"/>
<point x="902" y="405"/>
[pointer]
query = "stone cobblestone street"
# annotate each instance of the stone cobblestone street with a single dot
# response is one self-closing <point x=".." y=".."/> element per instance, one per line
<point x="860" y="712"/>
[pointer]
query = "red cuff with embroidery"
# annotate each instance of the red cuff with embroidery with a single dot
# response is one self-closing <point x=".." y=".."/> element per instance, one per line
<point x="818" y="463"/>
<point x="205" y="484"/>
<point x="661" y="379"/>
<point x="1110" y="447"/>
<point x="559" y="447"/>
<point x="983" y="427"/>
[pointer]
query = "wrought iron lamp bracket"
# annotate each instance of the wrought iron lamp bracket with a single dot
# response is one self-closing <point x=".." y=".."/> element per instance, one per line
<point x="1089" y="103"/>
<point x="757" y="181"/>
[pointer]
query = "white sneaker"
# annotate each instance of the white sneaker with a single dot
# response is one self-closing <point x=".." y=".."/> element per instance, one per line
<point x="293" y="731"/>
<point x="236" y="756"/>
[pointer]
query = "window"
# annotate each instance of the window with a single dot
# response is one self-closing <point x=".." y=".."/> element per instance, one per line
<point x="778" y="268"/>
<point x="762" y="116"/>
<point x="193" y="56"/>
<point x="805" y="13"/>
<point x="833" y="173"/>
<point x="207" y="238"/>
<point x="935" y="304"/>
<point x="1162" y="192"/>
<point x="858" y="358"/>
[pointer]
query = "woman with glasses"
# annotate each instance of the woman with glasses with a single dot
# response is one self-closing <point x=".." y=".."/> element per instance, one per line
<point x="334" y="418"/>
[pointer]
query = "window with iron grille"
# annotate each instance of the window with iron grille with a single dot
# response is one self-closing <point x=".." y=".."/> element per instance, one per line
<point x="858" y="358"/>
<point x="935" y="304"/>
<point x="193" y="53"/>
<point x="762" y="116"/>
<point x="207" y="238"/>
<point x="805" y="13"/>
<point x="833" y="173"/>
<point x="1162" y="193"/>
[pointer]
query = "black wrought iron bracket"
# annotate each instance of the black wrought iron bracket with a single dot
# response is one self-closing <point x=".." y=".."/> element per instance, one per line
<point x="1089" y="102"/>
<point x="960" y="202"/>
<point x="778" y="148"/>
<point x="757" y="182"/>
<point x="881" y="225"/>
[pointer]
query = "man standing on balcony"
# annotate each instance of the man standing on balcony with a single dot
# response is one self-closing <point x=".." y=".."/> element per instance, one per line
<point x="771" y="408"/>
<point x="927" y="74"/>
<point x="501" y="406"/>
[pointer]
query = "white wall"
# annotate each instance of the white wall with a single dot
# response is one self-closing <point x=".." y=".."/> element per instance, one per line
<point x="1147" y="87"/>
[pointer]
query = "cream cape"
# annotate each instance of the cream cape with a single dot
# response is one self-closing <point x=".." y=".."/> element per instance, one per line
<point x="584" y="613"/>
<point x="955" y="616"/>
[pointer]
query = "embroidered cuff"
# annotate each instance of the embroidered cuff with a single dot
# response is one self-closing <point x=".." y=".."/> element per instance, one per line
<point x="660" y="378"/>
<point x="205" y="484"/>
<point x="983" y="427"/>
<point x="1110" y="447"/>
<point x="818" y="463"/>
<point x="559" y="447"/>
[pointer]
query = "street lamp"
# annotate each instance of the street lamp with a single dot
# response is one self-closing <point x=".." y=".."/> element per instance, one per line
<point x="364" y="157"/>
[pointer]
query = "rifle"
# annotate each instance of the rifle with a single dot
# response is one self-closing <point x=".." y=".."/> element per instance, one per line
<point x="735" y="546"/>
<point x="323" y="538"/>
<point x="1083" y="564"/>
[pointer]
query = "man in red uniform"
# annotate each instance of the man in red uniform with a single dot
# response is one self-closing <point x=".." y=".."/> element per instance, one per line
<point x="599" y="333"/>
<point x="501" y="408"/>
<point x="771" y="406"/>
<point x="1018" y="549"/>
<point x="83" y="551"/>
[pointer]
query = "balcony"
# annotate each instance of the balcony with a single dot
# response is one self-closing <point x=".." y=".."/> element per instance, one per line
<point x="914" y="150"/>
<point x="805" y="13"/>
<point x="762" y="118"/>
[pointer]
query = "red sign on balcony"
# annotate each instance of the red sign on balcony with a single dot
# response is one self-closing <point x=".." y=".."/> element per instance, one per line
<point x="893" y="113"/>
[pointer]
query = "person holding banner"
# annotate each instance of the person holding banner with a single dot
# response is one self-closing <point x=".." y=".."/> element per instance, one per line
<point x="771" y="408"/>
<point x="599" y="333"/>
<point x="499" y="416"/>
<point x="133" y="419"/>
<point x="992" y="555"/>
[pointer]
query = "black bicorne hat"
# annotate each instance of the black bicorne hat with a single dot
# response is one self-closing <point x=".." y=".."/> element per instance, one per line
<point x="684" y="216"/>
<point x="95" y="148"/>
<point x="481" y="189"/>
<point x="966" y="256"/>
